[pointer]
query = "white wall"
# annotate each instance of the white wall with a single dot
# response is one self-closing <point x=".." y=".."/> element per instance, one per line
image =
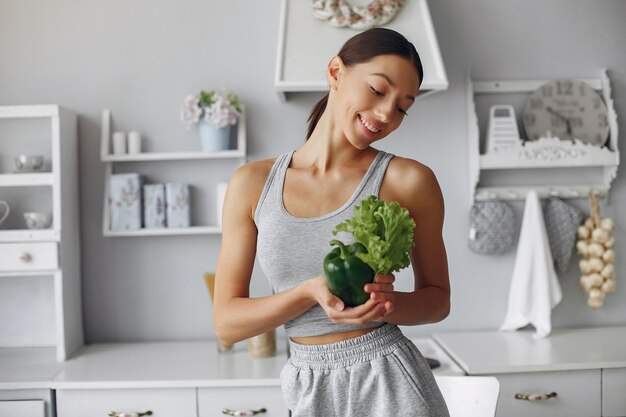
<point x="140" y="58"/>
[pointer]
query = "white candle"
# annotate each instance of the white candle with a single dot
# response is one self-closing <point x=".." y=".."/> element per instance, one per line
<point x="134" y="142"/>
<point x="119" y="143"/>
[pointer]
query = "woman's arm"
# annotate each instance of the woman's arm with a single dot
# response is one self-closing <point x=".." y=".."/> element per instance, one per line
<point x="415" y="187"/>
<point x="236" y="316"/>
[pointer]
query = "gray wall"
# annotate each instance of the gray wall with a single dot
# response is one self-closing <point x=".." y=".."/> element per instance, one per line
<point x="140" y="58"/>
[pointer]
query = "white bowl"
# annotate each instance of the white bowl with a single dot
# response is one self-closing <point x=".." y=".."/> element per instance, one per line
<point x="29" y="163"/>
<point x="38" y="220"/>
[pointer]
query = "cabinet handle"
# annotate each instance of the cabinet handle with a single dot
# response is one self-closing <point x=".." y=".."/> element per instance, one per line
<point x="535" y="397"/>
<point x="25" y="257"/>
<point x="230" y="412"/>
<point x="137" y="414"/>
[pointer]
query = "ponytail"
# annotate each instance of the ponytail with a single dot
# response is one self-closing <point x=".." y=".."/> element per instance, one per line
<point x="316" y="113"/>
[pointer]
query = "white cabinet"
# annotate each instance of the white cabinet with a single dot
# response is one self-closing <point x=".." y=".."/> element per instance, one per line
<point x="40" y="268"/>
<point x="614" y="392"/>
<point x="138" y="163"/>
<point x="98" y="402"/>
<point x="213" y="401"/>
<point x="185" y="379"/>
<point x="23" y="408"/>
<point x="585" y="368"/>
<point x="577" y="394"/>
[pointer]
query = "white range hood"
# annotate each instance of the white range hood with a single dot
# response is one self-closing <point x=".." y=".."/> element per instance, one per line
<point x="306" y="44"/>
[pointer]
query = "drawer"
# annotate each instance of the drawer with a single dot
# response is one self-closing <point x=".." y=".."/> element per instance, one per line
<point x="23" y="408"/>
<point x="578" y="394"/>
<point x="613" y="389"/>
<point x="98" y="402"/>
<point x="41" y="256"/>
<point x="211" y="401"/>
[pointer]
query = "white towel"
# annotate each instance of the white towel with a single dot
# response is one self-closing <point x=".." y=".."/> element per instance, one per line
<point x="535" y="289"/>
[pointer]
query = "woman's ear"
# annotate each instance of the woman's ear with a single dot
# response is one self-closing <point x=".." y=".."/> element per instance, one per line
<point x="336" y="69"/>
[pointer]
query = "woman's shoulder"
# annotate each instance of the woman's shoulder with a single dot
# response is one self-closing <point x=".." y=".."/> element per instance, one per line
<point x="406" y="177"/>
<point x="253" y="174"/>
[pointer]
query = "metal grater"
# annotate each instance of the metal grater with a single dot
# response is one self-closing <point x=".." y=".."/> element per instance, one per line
<point x="502" y="130"/>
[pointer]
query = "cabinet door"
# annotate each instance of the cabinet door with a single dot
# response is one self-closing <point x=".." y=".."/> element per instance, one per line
<point x="24" y="408"/>
<point x="613" y="392"/>
<point x="578" y="394"/>
<point x="99" y="402"/>
<point x="211" y="401"/>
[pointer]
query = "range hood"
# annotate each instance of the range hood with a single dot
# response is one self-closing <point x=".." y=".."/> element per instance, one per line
<point x="306" y="44"/>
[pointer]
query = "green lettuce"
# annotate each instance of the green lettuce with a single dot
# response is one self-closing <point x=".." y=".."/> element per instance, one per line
<point x="386" y="231"/>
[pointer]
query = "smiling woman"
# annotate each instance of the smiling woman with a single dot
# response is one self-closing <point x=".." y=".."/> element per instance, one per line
<point x="347" y="361"/>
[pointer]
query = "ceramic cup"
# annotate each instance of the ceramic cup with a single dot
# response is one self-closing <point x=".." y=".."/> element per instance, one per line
<point x="4" y="211"/>
<point x="38" y="220"/>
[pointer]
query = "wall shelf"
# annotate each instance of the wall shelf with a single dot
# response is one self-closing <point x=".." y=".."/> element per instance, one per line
<point x="110" y="161"/>
<point x="191" y="230"/>
<point x="544" y="153"/>
<point x="305" y="44"/>
<point x="26" y="180"/>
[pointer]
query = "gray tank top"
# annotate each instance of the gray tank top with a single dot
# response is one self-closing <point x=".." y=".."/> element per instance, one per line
<point x="291" y="249"/>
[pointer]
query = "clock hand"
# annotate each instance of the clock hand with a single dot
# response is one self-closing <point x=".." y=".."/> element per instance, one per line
<point x="568" y="121"/>
<point x="557" y="114"/>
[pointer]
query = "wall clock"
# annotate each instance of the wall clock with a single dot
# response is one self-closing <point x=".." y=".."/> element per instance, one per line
<point x="567" y="109"/>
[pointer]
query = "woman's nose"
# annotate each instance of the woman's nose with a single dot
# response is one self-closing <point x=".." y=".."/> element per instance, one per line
<point x="384" y="111"/>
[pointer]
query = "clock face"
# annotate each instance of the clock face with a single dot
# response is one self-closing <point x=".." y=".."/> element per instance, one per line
<point x="567" y="109"/>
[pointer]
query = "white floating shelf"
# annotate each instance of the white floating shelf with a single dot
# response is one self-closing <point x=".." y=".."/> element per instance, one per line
<point x="173" y="156"/>
<point x="550" y="153"/>
<point x="26" y="180"/>
<point x="305" y="44"/>
<point x="520" y="192"/>
<point x="192" y="230"/>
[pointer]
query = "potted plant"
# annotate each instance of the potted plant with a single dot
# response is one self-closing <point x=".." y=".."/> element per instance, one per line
<point x="214" y="112"/>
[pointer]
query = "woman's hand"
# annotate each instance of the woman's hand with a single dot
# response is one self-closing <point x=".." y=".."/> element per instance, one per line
<point x="372" y="310"/>
<point x="381" y="291"/>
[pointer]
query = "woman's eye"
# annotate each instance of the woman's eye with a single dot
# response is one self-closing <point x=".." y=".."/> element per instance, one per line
<point x="402" y="111"/>
<point x="375" y="91"/>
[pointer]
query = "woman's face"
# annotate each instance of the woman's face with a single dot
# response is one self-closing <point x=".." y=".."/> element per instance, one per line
<point x="372" y="98"/>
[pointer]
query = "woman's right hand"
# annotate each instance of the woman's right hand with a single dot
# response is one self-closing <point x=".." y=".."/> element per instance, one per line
<point x="336" y="309"/>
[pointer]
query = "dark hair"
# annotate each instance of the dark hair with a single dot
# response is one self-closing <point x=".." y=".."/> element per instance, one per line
<point x="363" y="47"/>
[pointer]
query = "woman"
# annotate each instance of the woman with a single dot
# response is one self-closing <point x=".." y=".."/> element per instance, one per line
<point x="343" y="361"/>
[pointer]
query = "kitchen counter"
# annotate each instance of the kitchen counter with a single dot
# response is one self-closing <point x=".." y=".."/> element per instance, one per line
<point x="154" y="365"/>
<point x="493" y="352"/>
<point x="169" y="364"/>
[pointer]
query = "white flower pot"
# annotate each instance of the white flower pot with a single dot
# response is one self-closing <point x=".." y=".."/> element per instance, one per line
<point x="213" y="139"/>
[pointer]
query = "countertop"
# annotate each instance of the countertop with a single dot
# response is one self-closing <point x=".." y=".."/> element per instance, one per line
<point x="160" y="365"/>
<point x="494" y="352"/>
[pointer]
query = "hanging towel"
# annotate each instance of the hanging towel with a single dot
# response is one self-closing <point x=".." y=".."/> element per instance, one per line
<point x="535" y="289"/>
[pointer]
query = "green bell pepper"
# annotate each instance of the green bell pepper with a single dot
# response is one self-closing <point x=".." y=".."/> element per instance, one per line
<point x="346" y="274"/>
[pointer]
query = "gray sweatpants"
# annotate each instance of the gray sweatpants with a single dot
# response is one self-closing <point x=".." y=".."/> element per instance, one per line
<point x="378" y="374"/>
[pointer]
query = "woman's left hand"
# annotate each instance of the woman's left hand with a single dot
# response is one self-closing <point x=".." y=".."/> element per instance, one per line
<point x="382" y="291"/>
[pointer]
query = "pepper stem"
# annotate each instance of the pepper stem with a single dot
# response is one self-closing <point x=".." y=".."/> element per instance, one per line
<point x="342" y="248"/>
